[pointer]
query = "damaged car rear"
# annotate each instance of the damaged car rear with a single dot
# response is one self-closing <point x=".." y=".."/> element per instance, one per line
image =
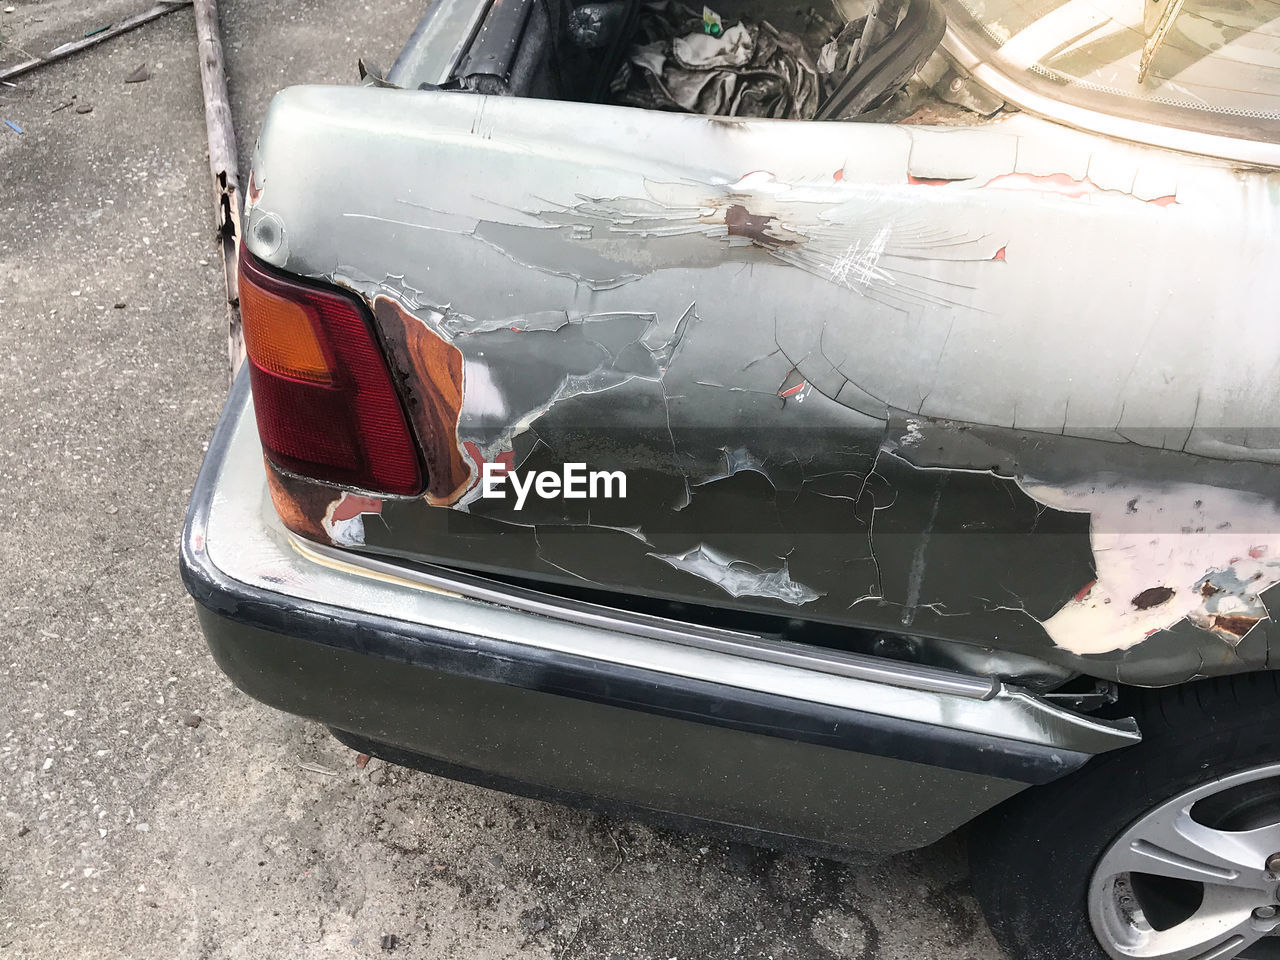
<point x="823" y="428"/>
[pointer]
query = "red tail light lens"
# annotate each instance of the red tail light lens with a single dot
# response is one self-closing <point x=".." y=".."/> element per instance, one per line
<point x="322" y="392"/>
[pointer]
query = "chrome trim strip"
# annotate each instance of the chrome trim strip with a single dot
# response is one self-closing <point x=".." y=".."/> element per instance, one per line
<point x="242" y="536"/>
<point x="836" y="662"/>
<point x="1092" y="121"/>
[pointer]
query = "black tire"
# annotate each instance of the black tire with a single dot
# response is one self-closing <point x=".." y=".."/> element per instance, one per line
<point x="1032" y="858"/>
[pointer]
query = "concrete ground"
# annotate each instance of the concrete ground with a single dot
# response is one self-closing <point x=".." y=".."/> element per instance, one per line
<point x="148" y="809"/>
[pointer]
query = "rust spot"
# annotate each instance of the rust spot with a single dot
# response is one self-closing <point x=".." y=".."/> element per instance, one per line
<point x="1084" y="591"/>
<point x="254" y="191"/>
<point x="1152" y="597"/>
<point x="431" y="369"/>
<point x="1000" y="254"/>
<point x="300" y="504"/>
<point x="838" y="175"/>
<point x="1234" y="626"/>
<point x="929" y="181"/>
<point x="743" y="223"/>
<point x="1207" y="589"/>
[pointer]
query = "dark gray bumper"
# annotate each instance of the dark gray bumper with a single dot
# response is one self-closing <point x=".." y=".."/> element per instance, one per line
<point x="801" y="748"/>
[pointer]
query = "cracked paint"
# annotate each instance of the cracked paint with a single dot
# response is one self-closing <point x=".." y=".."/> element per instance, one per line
<point x="1066" y="186"/>
<point x="858" y="267"/>
<point x="839" y="392"/>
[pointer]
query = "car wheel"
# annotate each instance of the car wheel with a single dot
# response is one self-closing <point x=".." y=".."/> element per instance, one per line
<point x="1167" y="850"/>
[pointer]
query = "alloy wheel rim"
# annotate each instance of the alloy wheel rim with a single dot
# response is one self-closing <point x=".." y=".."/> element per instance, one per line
<point x="1181" y="883"/>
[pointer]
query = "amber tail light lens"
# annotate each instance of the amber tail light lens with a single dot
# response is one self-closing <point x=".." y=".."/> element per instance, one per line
<point x="325" y="402"/>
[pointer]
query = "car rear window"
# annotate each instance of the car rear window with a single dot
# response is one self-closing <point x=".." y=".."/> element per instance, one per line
<point x="1217" y="69"/>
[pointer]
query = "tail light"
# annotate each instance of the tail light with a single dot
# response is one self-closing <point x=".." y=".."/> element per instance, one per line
<point x="325" y="403"/>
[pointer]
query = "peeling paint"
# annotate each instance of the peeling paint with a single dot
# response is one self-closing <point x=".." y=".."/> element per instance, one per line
<point x="253" y="192"/>
<point x="739" y="578"/>
<point x="883" y="394"/>
<point x="1064" y="185"/>
<point x="434" y="366"/>
<point x="301" y="506"/>
<point x="344" y="518"/>
<point x="1188" y="551"/>
<point x="735" y="462"/>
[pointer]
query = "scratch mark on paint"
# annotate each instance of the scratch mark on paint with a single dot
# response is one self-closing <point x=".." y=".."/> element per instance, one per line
<point x="915" y="577"/>
<point x="858" y="267"/>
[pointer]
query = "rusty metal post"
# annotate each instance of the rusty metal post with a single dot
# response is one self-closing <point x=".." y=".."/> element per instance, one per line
<point x="223" y="164"/>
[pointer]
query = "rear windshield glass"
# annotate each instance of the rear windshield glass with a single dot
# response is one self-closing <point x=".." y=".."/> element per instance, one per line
<point x="1216" y="70"/>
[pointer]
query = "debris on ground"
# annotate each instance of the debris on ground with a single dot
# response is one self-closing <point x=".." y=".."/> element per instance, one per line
<point x="94" y="37"/>
<point x="362" y="761"/>
<point x="140" y="74"/>
<point x="389" y="942"/>
<point x="192" y="720"/>
<point x="535" y="920"/>
<point x="84" y="108"/>
<point x="701" y="63"/>
<point x="13" y="126"/>
<point x="317" y="768"/>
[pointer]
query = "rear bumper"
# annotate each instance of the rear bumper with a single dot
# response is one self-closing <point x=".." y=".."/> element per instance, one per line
<point x="807" y="749"/>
